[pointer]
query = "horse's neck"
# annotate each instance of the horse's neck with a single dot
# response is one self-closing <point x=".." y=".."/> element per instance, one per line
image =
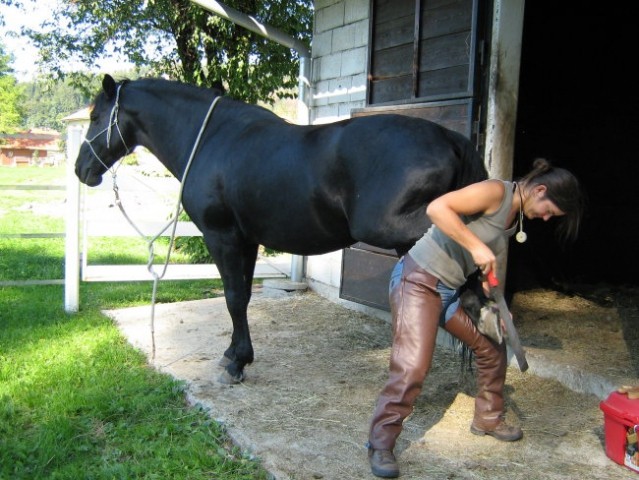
<point x="168" y="117"/>
<point x="168" y="128"/>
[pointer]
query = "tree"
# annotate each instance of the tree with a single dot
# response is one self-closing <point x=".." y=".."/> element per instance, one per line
<point x="47" y="102"/>
<point x="10" y="95"/>
<point x="181" y="40"/>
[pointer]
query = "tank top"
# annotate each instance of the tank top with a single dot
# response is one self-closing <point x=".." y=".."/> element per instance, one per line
<point x="441" y="256"/>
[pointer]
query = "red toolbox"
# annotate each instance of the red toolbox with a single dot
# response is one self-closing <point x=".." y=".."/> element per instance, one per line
<point x="621" y="427"/>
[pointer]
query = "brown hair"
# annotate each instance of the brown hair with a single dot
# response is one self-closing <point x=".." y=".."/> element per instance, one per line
<point x="564" y="190"/>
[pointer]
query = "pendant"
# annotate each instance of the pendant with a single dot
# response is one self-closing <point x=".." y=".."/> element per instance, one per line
<point x="521" y="236"/>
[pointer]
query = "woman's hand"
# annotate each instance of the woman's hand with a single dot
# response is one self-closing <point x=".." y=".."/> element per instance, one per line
<point x="485" y="259"/>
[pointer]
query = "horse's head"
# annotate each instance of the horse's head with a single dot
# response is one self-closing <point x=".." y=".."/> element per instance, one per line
<point x="105" y="143"/>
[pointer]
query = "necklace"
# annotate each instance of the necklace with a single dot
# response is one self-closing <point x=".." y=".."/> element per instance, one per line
<point x="521" y="236"/>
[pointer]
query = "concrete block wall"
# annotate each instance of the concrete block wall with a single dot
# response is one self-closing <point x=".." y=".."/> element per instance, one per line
<point x="339" y="51"/>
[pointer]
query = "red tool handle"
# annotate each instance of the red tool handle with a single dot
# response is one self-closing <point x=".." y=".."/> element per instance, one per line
<point x="492" y="279"/>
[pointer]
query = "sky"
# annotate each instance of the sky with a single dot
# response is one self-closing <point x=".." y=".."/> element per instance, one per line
<point x="24" y="52"/>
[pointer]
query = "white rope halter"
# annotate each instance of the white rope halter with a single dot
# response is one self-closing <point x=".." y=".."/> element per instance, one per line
<point x="113" y="122"/>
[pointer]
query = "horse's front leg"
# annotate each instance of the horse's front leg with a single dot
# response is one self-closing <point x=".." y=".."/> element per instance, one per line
<point x="236" y="265"/>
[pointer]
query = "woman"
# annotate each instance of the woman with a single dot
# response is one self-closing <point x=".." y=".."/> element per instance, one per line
<point x="471" y="227"/>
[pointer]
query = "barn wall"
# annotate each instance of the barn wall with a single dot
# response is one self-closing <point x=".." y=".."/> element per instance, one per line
<point x="340" y="39"/>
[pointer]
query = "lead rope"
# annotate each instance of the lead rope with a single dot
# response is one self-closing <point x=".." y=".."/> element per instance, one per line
<point x="174" y="220"/>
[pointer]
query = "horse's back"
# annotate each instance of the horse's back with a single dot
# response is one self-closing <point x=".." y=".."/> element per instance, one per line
<point x="399" y="164"/>
<point x="313" y="189"/>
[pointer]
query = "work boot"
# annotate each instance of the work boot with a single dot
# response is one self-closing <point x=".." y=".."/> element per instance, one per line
<point x="416" y="306"/>
<point x="490" y="359"/>
<point x="383" y="463"/>
<point x="503" y="432"/>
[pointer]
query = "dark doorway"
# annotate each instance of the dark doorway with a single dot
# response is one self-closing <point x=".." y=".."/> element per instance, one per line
<point x="578" y="108"/>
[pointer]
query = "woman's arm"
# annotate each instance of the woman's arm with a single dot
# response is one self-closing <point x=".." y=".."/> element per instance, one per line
<point x="479" y="198"/>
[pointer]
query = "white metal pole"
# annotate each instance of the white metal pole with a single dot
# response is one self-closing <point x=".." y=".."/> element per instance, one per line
<point x="254" y="25"/>
<point x="72" y="238"/>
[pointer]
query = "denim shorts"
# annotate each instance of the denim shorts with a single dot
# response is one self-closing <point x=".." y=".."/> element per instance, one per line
<point x="449" y="296"/>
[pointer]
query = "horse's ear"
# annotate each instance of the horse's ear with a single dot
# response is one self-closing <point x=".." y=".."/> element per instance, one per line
<point x="218" y="88"/>
<point x="109" y="86"/>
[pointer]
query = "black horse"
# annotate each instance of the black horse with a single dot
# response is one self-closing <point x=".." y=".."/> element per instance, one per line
<point x="258" y="180"/>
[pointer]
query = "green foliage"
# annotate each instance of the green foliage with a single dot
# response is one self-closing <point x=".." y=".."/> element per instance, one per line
<point x="192" y="247"/>
<point x="48" y="101"/>
<point x="180" y="39"/>
<point x="10" y="95"/>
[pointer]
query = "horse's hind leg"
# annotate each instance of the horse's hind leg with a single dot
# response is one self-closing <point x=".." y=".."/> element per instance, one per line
<point x="236" y="264"/>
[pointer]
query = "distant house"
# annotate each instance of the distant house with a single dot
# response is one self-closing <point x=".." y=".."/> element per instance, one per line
<point x="31" y="147"/>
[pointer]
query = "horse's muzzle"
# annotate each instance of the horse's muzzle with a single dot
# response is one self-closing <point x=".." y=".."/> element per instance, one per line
<point x="94" y="180"/>
<point x="88" y="176"/>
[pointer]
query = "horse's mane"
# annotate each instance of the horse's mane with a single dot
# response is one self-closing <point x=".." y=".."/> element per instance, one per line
<point x="217" y="88"/>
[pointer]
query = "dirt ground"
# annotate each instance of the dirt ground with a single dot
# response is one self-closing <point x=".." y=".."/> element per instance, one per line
<point x="305" y="406"/>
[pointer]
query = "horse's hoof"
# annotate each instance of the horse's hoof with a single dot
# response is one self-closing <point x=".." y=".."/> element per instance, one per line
<point x="227" y="379"/>
<point x="224" y="361"/>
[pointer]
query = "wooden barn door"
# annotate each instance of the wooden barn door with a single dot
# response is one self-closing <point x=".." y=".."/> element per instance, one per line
<point x="425" y="60"/>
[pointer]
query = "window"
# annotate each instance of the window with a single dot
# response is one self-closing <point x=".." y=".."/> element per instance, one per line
<point x="421" y="50"/>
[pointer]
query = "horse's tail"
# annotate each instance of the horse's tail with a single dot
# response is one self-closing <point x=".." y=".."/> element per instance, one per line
<point x="471" y="167"/>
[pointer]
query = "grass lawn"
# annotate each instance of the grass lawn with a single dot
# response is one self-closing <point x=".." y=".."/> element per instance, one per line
<point x="76" y="400"/>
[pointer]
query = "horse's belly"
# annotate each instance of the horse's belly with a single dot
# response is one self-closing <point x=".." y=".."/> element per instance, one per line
<point x="302" y="233"/>
<point x="307" y="246"/>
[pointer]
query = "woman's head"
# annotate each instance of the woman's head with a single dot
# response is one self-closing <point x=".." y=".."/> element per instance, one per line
<point x="557" y="192"/>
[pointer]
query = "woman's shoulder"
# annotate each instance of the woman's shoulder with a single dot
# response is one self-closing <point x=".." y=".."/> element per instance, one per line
<point x="495" y="192"/>
<point x="497" y="183"/>
<point x="493" y="188"/>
